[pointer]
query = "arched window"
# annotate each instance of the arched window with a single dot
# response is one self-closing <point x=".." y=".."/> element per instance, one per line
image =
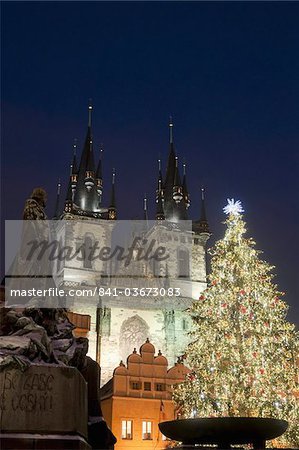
<point x="133" y="333"/>
<point x="183" y="263"/>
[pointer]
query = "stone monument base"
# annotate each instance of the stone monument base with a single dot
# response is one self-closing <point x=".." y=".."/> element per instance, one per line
<point x="43" y="407"/>
<point x="28" y="441"/>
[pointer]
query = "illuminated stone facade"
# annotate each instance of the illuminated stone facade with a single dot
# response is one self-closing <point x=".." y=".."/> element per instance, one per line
<point x="118" y="323"/>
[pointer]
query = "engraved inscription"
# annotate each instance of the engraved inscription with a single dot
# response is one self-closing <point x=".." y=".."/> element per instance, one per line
<point x="31" y="393"/>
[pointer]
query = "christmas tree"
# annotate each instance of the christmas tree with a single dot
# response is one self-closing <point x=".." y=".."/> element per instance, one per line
<point x="243" y="352"/>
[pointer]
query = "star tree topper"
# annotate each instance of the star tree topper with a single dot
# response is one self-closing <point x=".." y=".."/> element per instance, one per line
<point x="233" y="207"/>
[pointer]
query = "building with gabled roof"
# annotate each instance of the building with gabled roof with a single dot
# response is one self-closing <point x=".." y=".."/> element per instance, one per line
<point x="138" y="397"/>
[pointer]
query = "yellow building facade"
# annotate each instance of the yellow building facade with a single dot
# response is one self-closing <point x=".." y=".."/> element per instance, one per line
<point x="138" y="397"/>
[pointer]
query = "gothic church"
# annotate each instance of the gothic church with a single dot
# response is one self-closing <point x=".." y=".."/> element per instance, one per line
<point x="116" y="325"/>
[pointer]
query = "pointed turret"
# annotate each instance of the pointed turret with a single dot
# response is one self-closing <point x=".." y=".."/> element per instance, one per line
<point x="90" y="168"/>
<point x="112" y="207"/>
<point x="170" y="169"/>
<point x="185" y="188"/>
<point x="160" y="210"/>
<point x="99" y="176"/>
<point x="56" y="212"/>
<point x="201" y="225"/>
<point x="173" y="206"/>
<point x="68" y="206"/>
<point x="145" y="215"/>
<point x="177" y="190"/>
<point x="74" y="169"/>
<point x="159" y="189"/>
<point x="168" y="202"/>
<point x="86" y="196"/>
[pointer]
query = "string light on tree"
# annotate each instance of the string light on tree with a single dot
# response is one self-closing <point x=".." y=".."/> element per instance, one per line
<point x="244" y="353"/>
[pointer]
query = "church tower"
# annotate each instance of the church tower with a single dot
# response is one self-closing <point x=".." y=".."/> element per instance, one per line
<point x="85" y="187"/>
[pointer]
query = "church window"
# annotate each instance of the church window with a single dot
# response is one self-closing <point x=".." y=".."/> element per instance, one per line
<point x="86" y="250"/>
<point x="147" y="430"/>
<point x="184" y="324"/>
<point x="133" y="333"/>
<point x="160" y="387"/>
<point x="183" y="257"/>
<point x="127" y="429"/>
<point x="147" y="386"/>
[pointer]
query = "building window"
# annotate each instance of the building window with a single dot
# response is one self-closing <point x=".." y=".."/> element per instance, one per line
<point x="135" y="385"/>
<point x="127" y="429"/>
<point x="184" y="324"/>
<point x="183" y="257"/>
<point x="147" y="386"/>
<point x="160" y="387"/>
<point x="147" y="430"/>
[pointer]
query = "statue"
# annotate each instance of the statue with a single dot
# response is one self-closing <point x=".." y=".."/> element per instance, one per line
<point x="45" y="336"/>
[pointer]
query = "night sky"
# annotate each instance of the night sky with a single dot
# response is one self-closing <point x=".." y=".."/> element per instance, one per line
<point x="228" y="73"/>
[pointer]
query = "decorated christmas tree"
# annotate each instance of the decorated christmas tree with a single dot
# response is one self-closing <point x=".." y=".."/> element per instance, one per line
<point x="243" y="352"/>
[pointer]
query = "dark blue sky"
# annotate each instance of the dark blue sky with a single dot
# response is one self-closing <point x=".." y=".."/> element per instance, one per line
<point x="227" y="72"/>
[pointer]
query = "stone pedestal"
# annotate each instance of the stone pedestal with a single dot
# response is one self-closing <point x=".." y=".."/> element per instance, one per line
<point x="43" y="407"/>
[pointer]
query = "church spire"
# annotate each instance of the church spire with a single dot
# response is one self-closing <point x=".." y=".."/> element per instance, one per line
<point x="89" y="113"/>
<point x="72" y="181"/>
<point x="74" y="169"/>
<point x="177" y="187"/>
<point x="99" y="175"/>
<point x="145" y="215"/>
<point x="170" y="174"/>
<point x="56" y="212"/>
<point x="174" y="208"/>
<point x="160" y="181"/>
<point x="170" y="169"/>
<point x="160" y="210"/>
<point x="86" y="196"/>
<point x="170" y="130"/>
<point x="74" y="163"/>
<point x="185" y="189"/>
<point x="203" y="222"/>
<point x="112" y="206"/>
